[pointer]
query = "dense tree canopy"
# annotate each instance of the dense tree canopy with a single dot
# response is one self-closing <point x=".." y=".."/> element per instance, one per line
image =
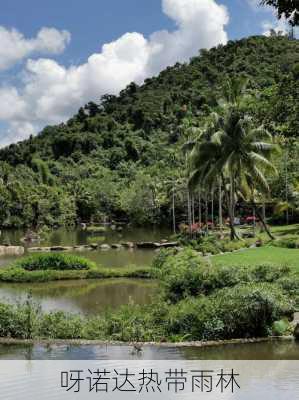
<point x="287" y="8"/>
<point x="116" y="158"/>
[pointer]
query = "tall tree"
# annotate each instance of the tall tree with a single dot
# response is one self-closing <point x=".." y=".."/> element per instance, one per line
<point x="285" y="8"/>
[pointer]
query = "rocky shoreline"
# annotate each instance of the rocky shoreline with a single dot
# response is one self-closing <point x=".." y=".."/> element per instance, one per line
<point x="79" y="342"/>
<point x="117" y="246"/>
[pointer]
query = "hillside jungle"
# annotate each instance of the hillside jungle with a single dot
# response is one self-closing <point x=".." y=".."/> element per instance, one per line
<point x="123" y="158"/>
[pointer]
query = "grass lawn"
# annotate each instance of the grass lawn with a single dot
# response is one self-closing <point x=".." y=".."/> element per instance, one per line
<point x="267" y="254"/>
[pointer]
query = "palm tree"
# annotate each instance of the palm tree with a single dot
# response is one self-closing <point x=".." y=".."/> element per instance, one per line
<point x="237" y="152"/>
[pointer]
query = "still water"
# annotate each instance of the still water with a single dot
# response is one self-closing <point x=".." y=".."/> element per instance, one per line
<point x="87" y="297"/>
<point x="273" y="350"/>
<point x="109" y="258"/>
<point x="81" y="296"/>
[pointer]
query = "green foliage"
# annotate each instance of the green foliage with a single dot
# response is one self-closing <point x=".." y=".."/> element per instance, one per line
<point x="54" y="261"/>
<point x="281" y="327"/>
<point x="18" y="274"/>
<point x="113" y="159"/>
<point x="240" y="312"/>
<point x="96" y="229"/>
<point x="287" y="243"/>
<point x="182" y="275"/>
<point x="187" y="274"/>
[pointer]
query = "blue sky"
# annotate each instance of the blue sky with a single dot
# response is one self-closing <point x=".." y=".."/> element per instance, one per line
<point x="46" y="74"/>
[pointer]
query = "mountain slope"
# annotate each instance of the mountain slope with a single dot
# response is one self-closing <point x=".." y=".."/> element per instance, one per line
<point x="118" y="158"/>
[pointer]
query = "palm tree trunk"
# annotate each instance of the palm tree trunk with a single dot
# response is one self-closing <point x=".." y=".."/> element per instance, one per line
<point x="173" y="210"/>
<point x="212" y="206"/>
<point x="228" y="197"/>
<point x="260" y="217"/>
<point x="199" y="208"/>
<point x="207" y="212"/>
<point x="189" y="213"/>
<point x="220" y="205"/>
<point x="286" y="185"/>
<point x="193" y="210"/>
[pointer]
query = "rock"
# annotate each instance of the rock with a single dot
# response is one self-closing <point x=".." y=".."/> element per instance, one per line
<point x="104" y="247"/>
<point x="168" y="244"/>
<point x="39" y="249"/>
<point x="11" y="250"/>
<point x="61" y="248"/>
<point x="116" y="246"/>
<point x="148" y="245"/>
<point x="296" y="331"/>
<point x="92" y="246"/>
<point x="129" y="245"/>
<point x="79" y="248"/>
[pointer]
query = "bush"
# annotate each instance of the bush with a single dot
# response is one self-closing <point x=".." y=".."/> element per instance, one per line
<point x="54" y="261"/>
<point x="18" y="275"/>
<point x="250" y="310"/>
<point x="19" y="321"/>
<point x="240" y="312"/>
<point x="181" y="275"/>
<point x="289" y="243"/>
<point x="95" y="239"/>
<point x="187" y="274"/>
<point x="96" y="229"/>
<point x="61" y="325"/>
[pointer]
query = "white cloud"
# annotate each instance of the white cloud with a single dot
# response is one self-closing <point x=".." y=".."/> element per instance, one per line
<point x="15" y="47"/>
<point x="281" y="26"/>
<point x="255" y="4"/>
<point x="51" y="93"/>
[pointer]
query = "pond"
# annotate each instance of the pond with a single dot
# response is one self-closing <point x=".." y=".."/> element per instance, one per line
<point x="272" y="350"/>
<point x="108" y="258"/>
<point x="87" y="297"/>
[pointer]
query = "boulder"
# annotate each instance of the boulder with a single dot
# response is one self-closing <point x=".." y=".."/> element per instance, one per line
<point x="168" y="244"/>
<point x="39" y="249"/>
<point x="148" y="245"/>
<point x="104" y="247"/>
<point x="129" y="245"/>
<point x="116" y="246"/>
<point x="61" y="248"/>
<point x="79" y="248"/>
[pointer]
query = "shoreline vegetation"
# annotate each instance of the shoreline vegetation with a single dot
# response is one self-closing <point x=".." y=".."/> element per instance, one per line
<point x="196" y="302"/>
<point x="81" y="342"/>
<point x="56" y="266"/>
<point x="197" y="147"/>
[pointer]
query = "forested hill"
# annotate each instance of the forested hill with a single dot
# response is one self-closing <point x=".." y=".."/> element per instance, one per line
<point x="119" y="157"/>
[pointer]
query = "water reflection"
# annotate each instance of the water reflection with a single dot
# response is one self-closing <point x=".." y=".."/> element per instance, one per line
<point x="82" y="296"/>
<point x="275" y="350"/>
<point x="110" y="258"/>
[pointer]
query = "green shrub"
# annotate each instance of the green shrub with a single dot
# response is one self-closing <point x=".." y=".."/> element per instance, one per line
<point x="288" y="243"/>
<point x="19" y="275"/>
<point x="281" y="327"/>
<point x="96" y="229"/>
<point x="187" y="274"/>
<point x="61" y="325"/>
<point x="95" y="239"/>
<point x="19" y="321"/>
<point x="250" y="310"/>
<point x="54" y="261"/>
<point x="181" y="275"/>
<point x="239" y="312"/>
